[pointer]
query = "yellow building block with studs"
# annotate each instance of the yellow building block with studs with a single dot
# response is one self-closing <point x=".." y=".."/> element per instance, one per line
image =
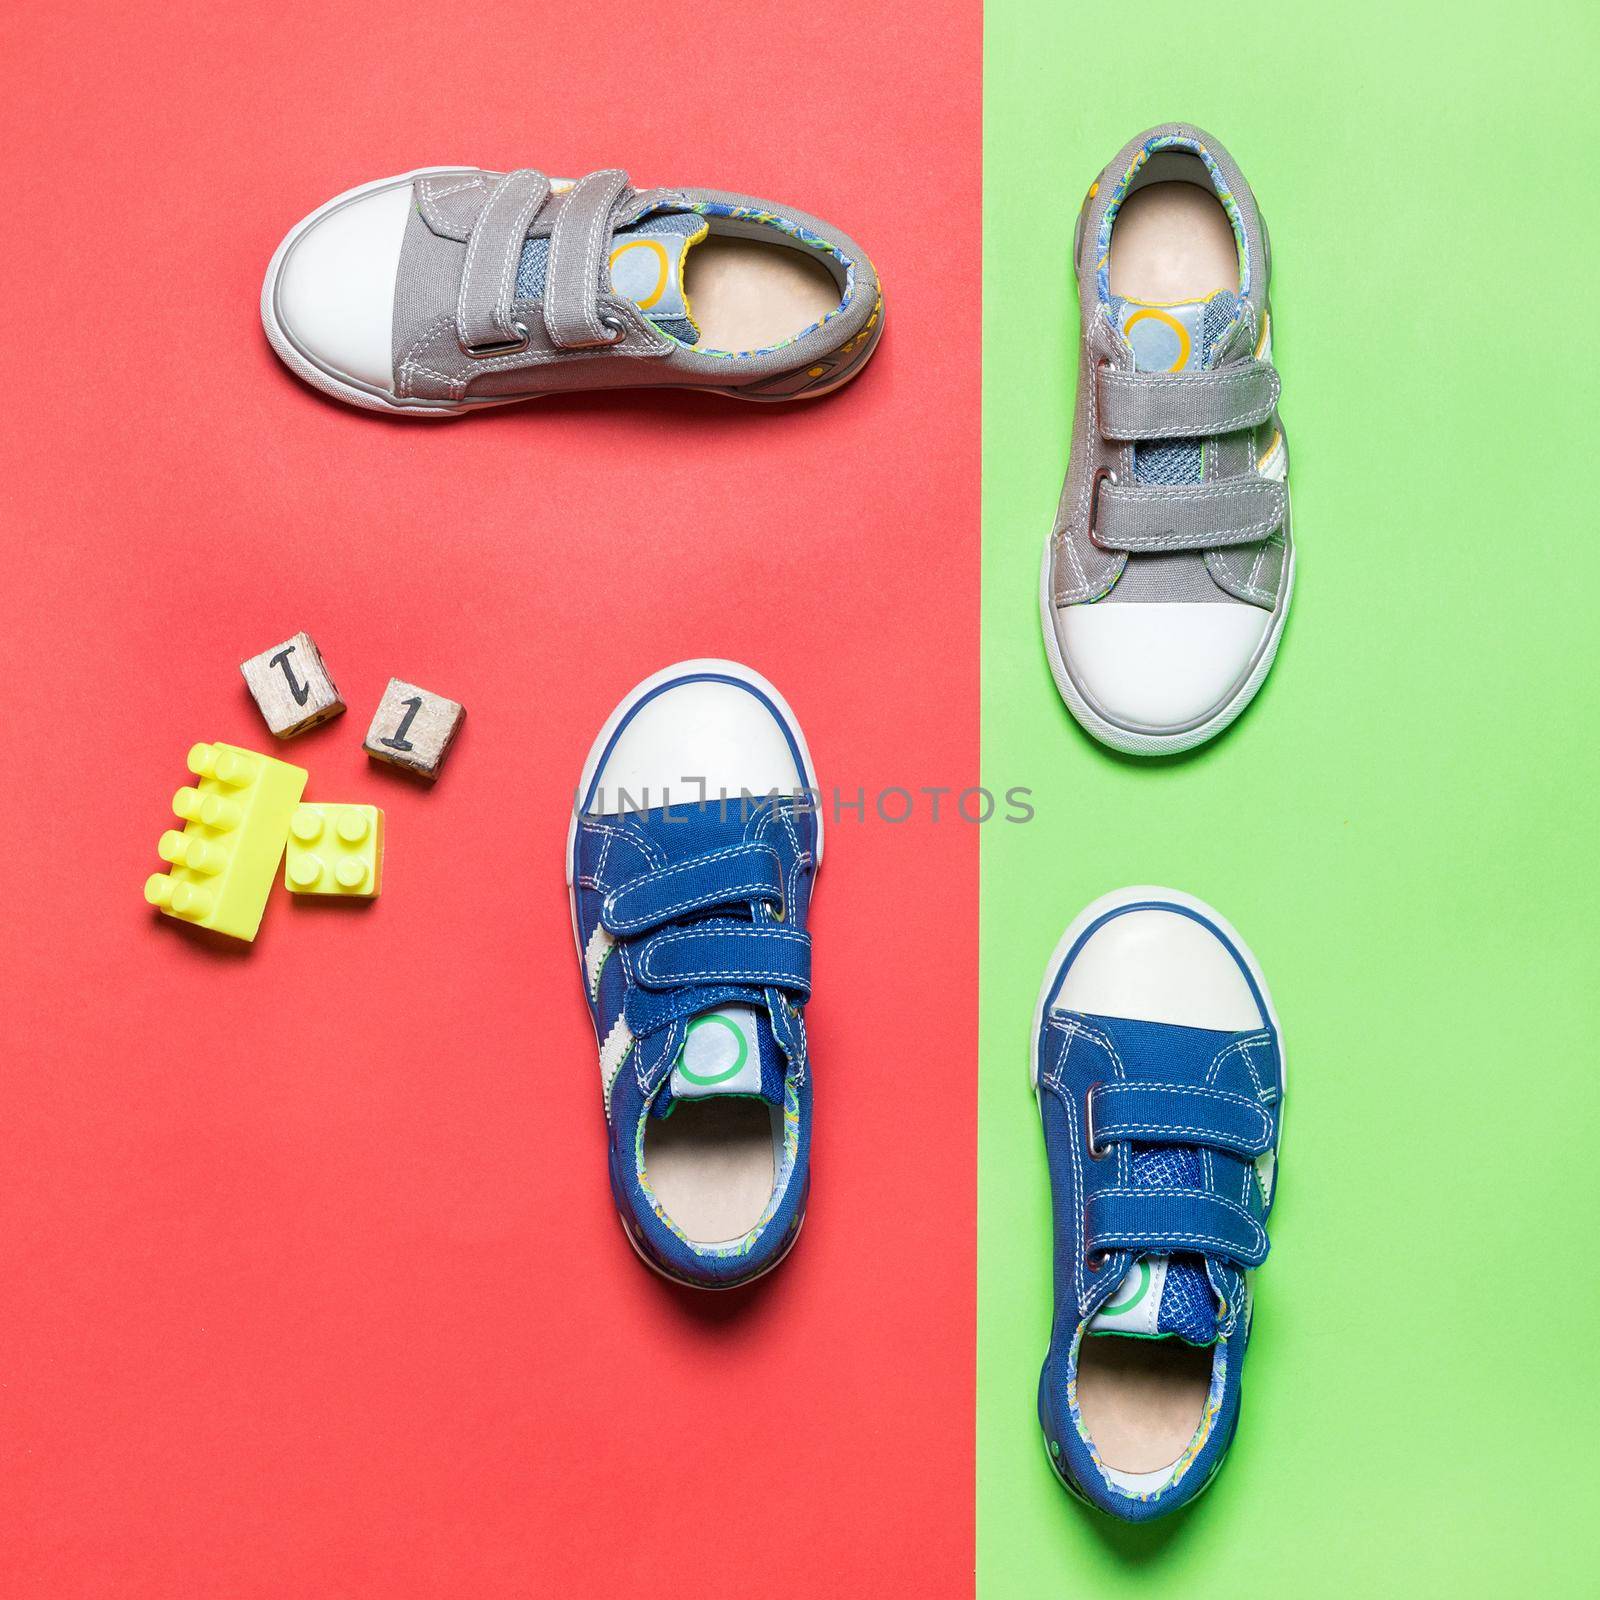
<point x="236" y="821"/>
<point x="335" y="850"/>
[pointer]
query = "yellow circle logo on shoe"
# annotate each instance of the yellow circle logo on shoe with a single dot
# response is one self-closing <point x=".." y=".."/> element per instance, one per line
<point x="630" y="284"/>
<point x="1162" y="319"/>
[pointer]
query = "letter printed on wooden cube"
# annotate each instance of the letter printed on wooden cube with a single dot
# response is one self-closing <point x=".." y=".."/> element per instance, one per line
<point x="413" y="728"/>
<point x="291" y="686"/>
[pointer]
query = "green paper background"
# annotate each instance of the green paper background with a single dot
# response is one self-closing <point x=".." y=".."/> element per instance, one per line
<point x="1403" y="826"/>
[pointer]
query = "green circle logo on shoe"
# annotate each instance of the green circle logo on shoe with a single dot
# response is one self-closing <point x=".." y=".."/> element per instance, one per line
<point x="1114" y="1308"/>
<point x="724" y="1058"/>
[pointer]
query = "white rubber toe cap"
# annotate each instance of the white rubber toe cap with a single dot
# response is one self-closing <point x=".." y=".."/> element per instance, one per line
<point x="710" y="723"/>
<point x="1159" y="966"/>
<point x="1161" y="665"/>
<point x="334" y="295"/>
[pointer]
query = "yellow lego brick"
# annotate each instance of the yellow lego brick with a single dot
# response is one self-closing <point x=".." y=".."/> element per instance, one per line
<point x="335" y="850"/>
<point x="236" y="820"/>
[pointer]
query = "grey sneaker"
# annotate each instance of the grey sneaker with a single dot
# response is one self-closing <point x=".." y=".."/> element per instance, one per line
<point x="1167" y="578"/>
<point x="451" y="289"/>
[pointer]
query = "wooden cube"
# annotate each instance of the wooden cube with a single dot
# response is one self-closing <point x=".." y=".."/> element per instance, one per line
<point x="292" y="687"/>
<point x="413" y="729"/>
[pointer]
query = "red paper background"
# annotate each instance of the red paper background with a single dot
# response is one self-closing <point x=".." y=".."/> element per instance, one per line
<point x="310" y="1283"/>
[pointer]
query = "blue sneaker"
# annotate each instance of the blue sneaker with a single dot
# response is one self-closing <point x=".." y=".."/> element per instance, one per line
<point x="1158" y="1071"/>
<point x="695" y="840"/>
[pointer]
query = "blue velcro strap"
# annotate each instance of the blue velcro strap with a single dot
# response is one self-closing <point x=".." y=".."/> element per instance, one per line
<point x="1192" y="1220"/>
<point x="650" y="1010"/>
<point x="729" y="877"/>
<point x="1178" y="1113"/>
<point x="725" y="951"/>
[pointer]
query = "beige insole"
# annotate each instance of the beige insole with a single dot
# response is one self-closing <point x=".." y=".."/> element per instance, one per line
<point x="1172" y="242"/>
<point x="1141" y="1399"/>
<point x="712" y="1165"/>
<point x="746" y="295"/>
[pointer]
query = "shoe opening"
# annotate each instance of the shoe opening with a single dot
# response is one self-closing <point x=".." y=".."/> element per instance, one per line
<point x="753" y="287"/>
<point x="1171" y="239"/>
<point x="712" y="1166"/>
<point x="1142" y="1403"/>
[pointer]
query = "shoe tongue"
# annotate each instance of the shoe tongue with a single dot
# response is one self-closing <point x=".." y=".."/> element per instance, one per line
<point x="646" y="266"/>
<point x="1174" y="338"/>
<point x="729" y="1051"/>
<point x="1163" y="1296"/>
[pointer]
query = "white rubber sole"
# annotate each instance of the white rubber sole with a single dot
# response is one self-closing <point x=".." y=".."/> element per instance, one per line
<point x="1138" y="895"/>
<point x="368" y="397"/>
<point x="301" y="362"/>
<point x="1152" y="741"/>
